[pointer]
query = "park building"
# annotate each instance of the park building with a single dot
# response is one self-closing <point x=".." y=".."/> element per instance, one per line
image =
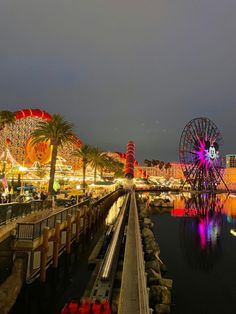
<point x="230" y="161"/>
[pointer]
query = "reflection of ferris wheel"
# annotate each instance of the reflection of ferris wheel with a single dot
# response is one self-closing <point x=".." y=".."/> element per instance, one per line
<point x="18" y="134"/>
<point x="199" y="152"/>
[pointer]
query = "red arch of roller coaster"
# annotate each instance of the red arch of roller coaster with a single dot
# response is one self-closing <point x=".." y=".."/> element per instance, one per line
<point x="37" y="113"/>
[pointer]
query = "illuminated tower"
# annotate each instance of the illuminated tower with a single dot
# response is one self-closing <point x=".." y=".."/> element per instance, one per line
<point x="129" y="166"/>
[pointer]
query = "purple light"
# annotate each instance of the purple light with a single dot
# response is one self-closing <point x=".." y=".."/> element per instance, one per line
<point x="205" y="156"/>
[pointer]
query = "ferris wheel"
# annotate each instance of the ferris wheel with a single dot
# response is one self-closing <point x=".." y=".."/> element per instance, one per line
<point x="199" y="152"/>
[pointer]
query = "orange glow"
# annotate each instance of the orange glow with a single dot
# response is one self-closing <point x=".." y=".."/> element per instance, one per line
<point x="40" y="152"/>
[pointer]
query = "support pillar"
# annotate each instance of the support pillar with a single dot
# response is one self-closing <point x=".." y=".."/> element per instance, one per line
<point x="56" y="244"/>
<point x="44" y="255"/>
<point x="68" y="234"/>
<point x="77" y="225"/>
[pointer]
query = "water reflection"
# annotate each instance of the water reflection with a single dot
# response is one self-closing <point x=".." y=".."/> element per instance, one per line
<point x="114" y="211"/>
<point x="200" y="235"/>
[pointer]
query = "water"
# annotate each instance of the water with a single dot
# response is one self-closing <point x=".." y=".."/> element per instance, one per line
<point x="6" y="259"/>
<point x="200" y="252"/>
<point x="69" y="281"/>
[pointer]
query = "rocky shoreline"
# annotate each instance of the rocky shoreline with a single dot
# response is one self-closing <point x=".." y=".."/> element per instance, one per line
<point x="160" y="287"/>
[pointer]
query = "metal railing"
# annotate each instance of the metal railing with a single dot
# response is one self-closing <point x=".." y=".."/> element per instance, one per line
<point x="10" y="211"/>
<point x="32" y="231"/>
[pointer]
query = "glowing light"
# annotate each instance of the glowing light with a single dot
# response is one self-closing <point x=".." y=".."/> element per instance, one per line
<point x="233" y="232"/>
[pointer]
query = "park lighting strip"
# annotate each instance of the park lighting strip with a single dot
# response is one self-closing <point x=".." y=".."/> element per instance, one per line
<point x="112" y="248"/>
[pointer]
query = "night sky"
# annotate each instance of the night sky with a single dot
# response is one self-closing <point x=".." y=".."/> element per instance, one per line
<point x="122" y="69"/>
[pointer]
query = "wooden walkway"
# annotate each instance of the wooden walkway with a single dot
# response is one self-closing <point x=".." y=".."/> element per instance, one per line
<point x="134" y="294"/>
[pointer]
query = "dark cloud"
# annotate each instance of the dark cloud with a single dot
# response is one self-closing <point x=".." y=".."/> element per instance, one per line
<point x="120" y="70"/>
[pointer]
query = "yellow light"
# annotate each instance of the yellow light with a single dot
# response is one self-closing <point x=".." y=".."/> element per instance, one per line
<point x="23" y="168"/>
<point x="233" y="232"/>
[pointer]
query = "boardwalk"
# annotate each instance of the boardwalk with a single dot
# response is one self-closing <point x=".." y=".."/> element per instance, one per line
<point x="134" y="295"/>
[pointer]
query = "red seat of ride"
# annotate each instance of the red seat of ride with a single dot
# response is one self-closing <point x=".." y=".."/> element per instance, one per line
<point x="105" y="307"/>
<point x="96" y="308"/>
<point x="84" y="307"/>
<point x="70" y="308"/>
<point x="73" y="308"/>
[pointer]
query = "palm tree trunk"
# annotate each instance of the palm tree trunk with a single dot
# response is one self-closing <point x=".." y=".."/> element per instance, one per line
<point x="95" y="174"/>
<point x="84" y="174"/>
<point x="52" y="170"/>
<point x="4" y="152"/>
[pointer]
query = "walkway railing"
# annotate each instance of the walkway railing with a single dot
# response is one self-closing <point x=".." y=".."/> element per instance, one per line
<point x="32" y="231"/>
<point x="10" y="211"/>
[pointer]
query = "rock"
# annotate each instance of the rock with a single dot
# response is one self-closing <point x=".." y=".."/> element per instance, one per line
<point x="153" y="265"/>
<point x="148" y="223"/>
<point x="166" y="295"/>
<point x="143" y="213"/>
<point x="10" y="288"/>
<point x="151" y="246"/>
<point x="151" y="281"/>
<point x="146" y="232"/>
<point x="155" y="294"/>
<point x="155" y="274"/>
<point x="149" y="256"/>
<point x="163" y="268"/>
<point x="162" y="309"/>
<point x="166" y="282"/>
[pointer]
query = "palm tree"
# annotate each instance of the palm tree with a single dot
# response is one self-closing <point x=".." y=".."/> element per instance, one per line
<point x="113" y="165"/>
<point x="58" y="132"/>
<point x="161" y="165"/>
<point x="84" y="154"/>
<point x="6" y="118"/>
<point x="98" y="160"/>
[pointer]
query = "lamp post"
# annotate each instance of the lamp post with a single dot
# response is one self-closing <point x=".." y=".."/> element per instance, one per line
<point x="22" y="170"/>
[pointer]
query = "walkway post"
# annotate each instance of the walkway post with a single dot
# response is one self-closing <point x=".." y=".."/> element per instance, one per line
<point x="56" y="243"/>
<point x="68" y="234"/>
<point x="44" y="255"/>
<point x="77" y="225"/>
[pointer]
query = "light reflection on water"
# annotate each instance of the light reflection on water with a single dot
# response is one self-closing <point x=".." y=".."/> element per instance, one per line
<point x="114" y="211"/>
<point x="198" y="246"/>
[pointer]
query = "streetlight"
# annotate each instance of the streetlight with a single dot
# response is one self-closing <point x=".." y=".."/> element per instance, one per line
<point x="22" y="170"/>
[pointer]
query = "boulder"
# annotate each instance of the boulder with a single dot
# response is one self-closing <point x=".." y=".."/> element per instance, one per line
<point x="146" y="232"/>
<point x="10" y="288"/>
<point x="166" y="282"/>
<point x="155" y="295"/>
<point x="153" y="265"/>
<point x="162" y="309"/>
<point x="163" y="268"/>
<point x="151" y="246"/>
<point x="166" y="295"/>
<point x="148" y="223"/>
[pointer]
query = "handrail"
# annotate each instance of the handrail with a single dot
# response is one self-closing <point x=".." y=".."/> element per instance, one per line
<point x="33" y="230"/>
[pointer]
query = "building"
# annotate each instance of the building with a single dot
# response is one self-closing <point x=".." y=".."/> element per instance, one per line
<point x="175" y="171"/>
<point x="231" y="161"/>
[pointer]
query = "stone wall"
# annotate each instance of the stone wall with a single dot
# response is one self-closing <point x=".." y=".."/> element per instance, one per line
<point x="11" y="287"/>
<point x="160" y="288"/>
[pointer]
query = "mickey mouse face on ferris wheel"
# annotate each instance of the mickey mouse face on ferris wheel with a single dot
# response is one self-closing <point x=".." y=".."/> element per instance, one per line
<point x="211" y="150"/>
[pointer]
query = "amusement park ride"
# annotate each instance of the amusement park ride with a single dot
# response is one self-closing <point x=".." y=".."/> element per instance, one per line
<point x="199" y="154"/>
<point x="17" y="136"/>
